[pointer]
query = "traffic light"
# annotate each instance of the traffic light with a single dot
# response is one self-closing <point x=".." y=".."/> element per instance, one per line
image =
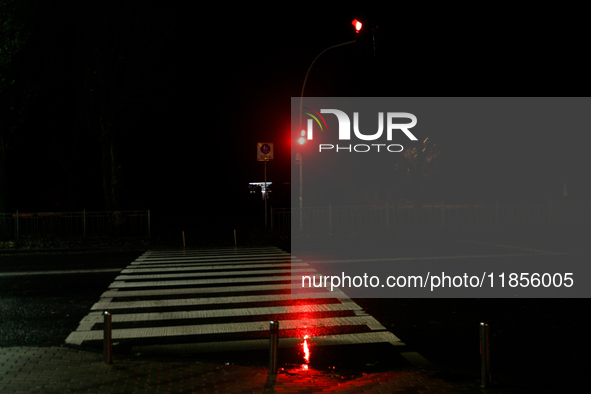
<point x="360" y="31"/>
<point x="366" y="34"/>
<point x="357" y="25"/>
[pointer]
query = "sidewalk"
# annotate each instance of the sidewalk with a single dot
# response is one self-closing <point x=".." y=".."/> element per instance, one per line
<point x="66" y="370"/>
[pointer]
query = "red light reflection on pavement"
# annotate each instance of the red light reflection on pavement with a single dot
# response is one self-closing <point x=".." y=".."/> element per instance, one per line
<point x="306" y="350"/>
<point x="305" y="331"/>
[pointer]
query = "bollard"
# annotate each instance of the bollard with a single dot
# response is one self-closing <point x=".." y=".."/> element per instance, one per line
<point x="484" y="356"/>
<point x="107" y="342"/>
<point x="274" y="342"/>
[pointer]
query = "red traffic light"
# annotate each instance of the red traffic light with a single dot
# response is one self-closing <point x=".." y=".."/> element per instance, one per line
<point x="357" y="25"/>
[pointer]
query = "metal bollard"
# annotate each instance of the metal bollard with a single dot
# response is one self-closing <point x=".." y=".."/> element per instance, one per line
<point x="274" y="342"/>
<point x="484" y="356"/>
<point x="107" y="343"/>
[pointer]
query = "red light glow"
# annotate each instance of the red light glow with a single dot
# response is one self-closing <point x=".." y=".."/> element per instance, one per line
<point x="306" y="350"/>
<point x="357" y="25"/>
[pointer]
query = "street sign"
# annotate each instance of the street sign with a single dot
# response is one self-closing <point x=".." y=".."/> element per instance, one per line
<point x="264" y="151"/>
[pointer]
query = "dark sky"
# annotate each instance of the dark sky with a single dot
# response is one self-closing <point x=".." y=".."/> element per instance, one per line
<point x="233" y="72"/>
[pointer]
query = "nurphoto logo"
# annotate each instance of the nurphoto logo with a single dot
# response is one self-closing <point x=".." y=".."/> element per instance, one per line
<point x="345" y="130"/>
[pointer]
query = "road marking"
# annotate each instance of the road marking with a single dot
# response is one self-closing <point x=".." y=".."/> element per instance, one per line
<point x="172" y="263"/>
<point x="224" y="328"/>
<point x="209" y="274"/>
<point x="203" y="314"/>
<point x="217" y="252"/>
<point x="195" y="290"/>
<point x="101" y="305"/>
<point x="237" y="252"/>
<point x="212" y="259"/>
<point x="174" y="267"/>
<point x="212" y="264"/>
<point x="244" y="272"/>
<point x="60" y="272"/>
<point x="122" y="284"/>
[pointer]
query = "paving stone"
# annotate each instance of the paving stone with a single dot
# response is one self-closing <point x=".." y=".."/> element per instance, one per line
<point x="64" y="370"/>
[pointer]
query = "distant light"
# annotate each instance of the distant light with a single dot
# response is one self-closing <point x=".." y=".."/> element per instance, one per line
<point x="303" y="133"/>
<point x="302" y="140"/>
<point x="357" y="25"/>
<point x="263" y="186"/>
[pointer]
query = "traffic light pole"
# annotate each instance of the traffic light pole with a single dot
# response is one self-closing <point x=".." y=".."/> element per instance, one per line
<point x="301" y="211"/>
<point x="301" y="100"/>
<point x="308" y="72"/>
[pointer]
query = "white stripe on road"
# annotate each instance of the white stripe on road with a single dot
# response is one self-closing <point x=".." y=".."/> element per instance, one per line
<point x="217" y="273"/>
<point x="264" y="251"/>
<point x="60" y="272"/>
<point x="194" y="290"/>
<point x="212" y="259"/>
<point x="174" y="263"/>
<point x="260" y="311"/>
<point x="226" y="328"/>
<point x="101" y="305"/>
<point x="191" y="267"/>
<point x="190" y="282"/>
<point x="218" y="252"/>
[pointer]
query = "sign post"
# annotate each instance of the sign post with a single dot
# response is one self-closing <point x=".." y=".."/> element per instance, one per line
<point x="265" y="153"/>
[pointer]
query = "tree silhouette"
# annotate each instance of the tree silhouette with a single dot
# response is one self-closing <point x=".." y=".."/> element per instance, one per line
<point x="120" y="64"/>
<point x="17" y="22"/>
<point x="415" y="170"/>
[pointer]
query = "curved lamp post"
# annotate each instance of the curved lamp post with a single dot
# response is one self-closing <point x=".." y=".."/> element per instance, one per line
<point x="300" y="122"/>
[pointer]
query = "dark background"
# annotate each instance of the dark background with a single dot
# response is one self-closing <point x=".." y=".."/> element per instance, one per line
<point x="222" y="79"/>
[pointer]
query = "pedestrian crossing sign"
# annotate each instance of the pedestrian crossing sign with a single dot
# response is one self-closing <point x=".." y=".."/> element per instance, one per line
<point x="264" y="151"/>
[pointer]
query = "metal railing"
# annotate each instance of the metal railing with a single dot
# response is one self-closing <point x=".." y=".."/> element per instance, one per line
<point x="417" y="216"/>
<point x="117" y="223"/>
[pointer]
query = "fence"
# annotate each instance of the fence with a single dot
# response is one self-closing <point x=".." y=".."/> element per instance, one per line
<point x="119" y="223"/>
<point x="415" y="216"/>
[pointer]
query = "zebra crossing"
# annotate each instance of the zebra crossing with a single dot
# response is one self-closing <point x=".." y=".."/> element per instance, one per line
<point x="210" y="300"/>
